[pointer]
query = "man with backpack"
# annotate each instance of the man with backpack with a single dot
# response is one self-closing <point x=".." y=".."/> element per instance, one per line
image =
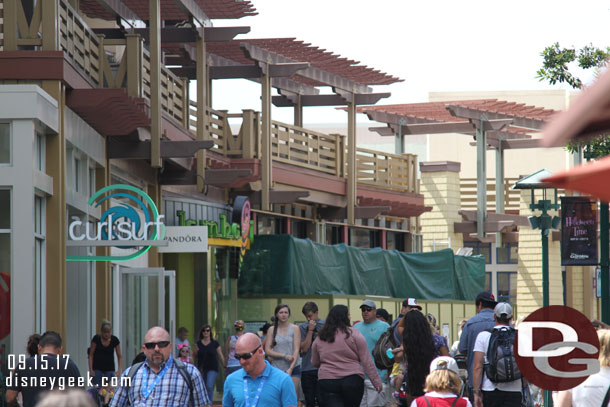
<point x="496" y="377"/>
<point x="160" y="380"/>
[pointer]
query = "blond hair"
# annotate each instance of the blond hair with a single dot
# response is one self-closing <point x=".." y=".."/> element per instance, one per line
<point x="68" y="398"/>
<point x="443" y="380"/>
<point x="604" y="347"/>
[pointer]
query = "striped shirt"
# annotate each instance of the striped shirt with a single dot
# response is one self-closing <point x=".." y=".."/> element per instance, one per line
<point x="172" y="390"/>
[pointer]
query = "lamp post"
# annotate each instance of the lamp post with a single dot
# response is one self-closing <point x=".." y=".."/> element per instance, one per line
<point x="545" y="223"/>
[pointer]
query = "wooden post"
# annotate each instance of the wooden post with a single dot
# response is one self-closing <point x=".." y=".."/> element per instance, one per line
<point x="10" y="24"/>
<point x="50" y="25"/>
<point x="351" y="162"/>
<point x="499" y="185"/>
<point x="133" y="53"/>
<point x="266" y="140"/>
<point x="154" y="10"/>
<point x="202" y="115"/>
<point x="248" y="138"/>
<point x="298" y="112"/>
<point x="186" y="103"/>
<point x="481" y="180"/>
<point x="56" y="217"/>
<point x="103" y="280"/>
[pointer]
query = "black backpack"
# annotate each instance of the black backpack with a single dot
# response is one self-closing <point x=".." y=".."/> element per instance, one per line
<point x="500" y="364"/>
<point x="181" y="369"/>
<point x="385" y="342"/>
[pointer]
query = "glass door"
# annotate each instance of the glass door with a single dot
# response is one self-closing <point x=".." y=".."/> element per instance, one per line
<point x="143" y="298"/>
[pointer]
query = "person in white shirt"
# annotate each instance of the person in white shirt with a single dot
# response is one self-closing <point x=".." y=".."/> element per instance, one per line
<point x="592" y="391"/>
<point x="486" y="392"/>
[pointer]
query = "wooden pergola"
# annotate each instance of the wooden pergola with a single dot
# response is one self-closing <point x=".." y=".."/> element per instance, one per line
<point x="496" y="124"/>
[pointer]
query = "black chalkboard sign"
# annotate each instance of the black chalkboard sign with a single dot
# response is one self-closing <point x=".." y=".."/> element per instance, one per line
<point x="578" y="231"/>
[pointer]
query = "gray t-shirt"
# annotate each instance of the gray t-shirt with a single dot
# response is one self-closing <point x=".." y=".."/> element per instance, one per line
<point x="306" y="357"/>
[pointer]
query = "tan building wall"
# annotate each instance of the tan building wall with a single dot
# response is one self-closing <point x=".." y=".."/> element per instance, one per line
<point x="440" y="185"/>
<point x="529" y="277"/>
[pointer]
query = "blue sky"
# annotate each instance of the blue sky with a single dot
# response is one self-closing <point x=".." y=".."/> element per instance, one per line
<point x="434" y="45"/>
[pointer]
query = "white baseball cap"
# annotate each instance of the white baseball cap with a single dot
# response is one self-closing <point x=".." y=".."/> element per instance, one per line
<point x="444" y="362"/>
<point x="503" y="310"/>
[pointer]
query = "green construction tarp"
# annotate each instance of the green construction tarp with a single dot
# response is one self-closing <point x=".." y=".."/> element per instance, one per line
<point x="283" y="264"/>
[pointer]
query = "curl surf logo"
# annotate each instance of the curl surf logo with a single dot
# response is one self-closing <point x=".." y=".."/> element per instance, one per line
<point x="133" y="223"/>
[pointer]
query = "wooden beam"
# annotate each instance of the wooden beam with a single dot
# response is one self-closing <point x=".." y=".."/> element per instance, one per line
<point x="191" y="8"/>
<point x="383" y="131"/>
<point x="120" y="9"/>
<point x="475" y="114"/>
<point x="360" y="212"/>
<point x="221" y="177"/>
<point x="286" y="69"/>
<point x="279" y="196"/>
<point x="488" y="227"/>
<point x="169" y="149"/>
<point x="223" y="34"/>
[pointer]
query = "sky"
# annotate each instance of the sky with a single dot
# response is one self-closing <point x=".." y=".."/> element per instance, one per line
<point x="434" y="45"/>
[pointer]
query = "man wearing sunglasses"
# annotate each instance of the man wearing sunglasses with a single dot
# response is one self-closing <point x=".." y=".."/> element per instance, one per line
<point x="372" y="328"/>
<point x="257" y="383"/>
<point x="160" y="380"/>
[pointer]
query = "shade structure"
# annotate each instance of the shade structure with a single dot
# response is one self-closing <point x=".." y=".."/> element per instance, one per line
<point x="592" y="178"/>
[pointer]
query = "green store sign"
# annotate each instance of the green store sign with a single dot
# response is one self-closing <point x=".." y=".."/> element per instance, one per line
<point x="223" y="230"/>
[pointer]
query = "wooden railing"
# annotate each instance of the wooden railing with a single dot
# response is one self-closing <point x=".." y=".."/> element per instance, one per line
<point x="396" y="172"/>
<point x="79" y="42"/>
<point x="308" y="149"/>
<point x="468" y="190"/>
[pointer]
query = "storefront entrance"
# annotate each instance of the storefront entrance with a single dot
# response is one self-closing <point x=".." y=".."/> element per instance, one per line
<point x="143" y="298"/>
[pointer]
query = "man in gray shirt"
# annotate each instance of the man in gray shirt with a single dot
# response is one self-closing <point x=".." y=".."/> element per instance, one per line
<point x="309" y="373"/>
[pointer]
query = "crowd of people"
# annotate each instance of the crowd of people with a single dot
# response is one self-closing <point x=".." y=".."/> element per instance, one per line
<point x="332" y="361"/>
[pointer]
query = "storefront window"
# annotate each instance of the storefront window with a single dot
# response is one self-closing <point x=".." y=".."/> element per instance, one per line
<point x="268" y="225"/>
<point x="507" y="287"/>
<point x="507" y="254"/>
<point x="334" y="234"/>
<point x="488" y="281"/>
<point x="5" y="143"/>
<point x="359" y="238"/>
<point x="480" y="248"/>
<point x="395" y="241"/>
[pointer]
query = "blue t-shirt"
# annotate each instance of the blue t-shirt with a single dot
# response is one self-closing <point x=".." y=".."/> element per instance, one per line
<point x="371" y="333"/>
<point x="480" y="322"/>
<point x="278" y="390"/>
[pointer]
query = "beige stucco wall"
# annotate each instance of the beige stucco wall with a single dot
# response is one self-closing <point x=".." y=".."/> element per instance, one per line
<point x="441" y="191"/>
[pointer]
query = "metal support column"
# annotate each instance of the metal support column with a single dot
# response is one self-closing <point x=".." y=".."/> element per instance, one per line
<point x="499" y="185"/>
<point x="266" y="163"/>
<point x="399" y="146"/>
<point x="481" y="180"/>
<point x="351" y="162"/>
<point x="154" y="8"/>
<point x="202" y="106"/>
<point x="298" y="112"/>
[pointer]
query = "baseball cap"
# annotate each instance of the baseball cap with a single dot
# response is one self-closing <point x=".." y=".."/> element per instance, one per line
<point x="486" y="296"/>
<point x="368" y="303"/>
<point x="411" y="302"/>
<point x="503" y="310"/>
<point x="444" y="363"/>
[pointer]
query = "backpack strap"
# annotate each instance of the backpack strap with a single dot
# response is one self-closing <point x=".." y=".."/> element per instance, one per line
<point x="607" y="398"/>
<point x="187" y="378"/>
<point x="181" y="369"/>
<point x="427" y="401"/>
<point x="455" y="401"/>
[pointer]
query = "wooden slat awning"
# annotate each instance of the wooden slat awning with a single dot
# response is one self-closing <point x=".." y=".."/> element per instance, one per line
<point x="457" y="116"/>
<point x="170" y="10"/>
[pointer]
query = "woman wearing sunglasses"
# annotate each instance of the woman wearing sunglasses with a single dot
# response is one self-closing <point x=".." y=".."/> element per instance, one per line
<point x="340" y="352"/>
<point x="283" y="344"/>
<point x="208" y="354"/>
<point x="229" y="356"/>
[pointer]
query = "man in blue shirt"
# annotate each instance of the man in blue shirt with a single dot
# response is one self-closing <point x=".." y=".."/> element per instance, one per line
<point x="483" y="320"/>
<point x="257" y="383"/>
<point x="371" y="328"/>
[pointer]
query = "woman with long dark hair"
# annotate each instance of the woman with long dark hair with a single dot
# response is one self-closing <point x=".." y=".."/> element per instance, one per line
<point x="208" y="354"/>
<point x="283" y="344"/>
<point x="419" y="350"/>
<point x="340" y="352"/>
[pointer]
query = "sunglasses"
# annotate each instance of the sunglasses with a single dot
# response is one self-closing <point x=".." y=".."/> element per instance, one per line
<point x="161" y="344"/>
<point x="366" y="309"/>
<point x="246" y="356"/>
<point x="206" y="330"/>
